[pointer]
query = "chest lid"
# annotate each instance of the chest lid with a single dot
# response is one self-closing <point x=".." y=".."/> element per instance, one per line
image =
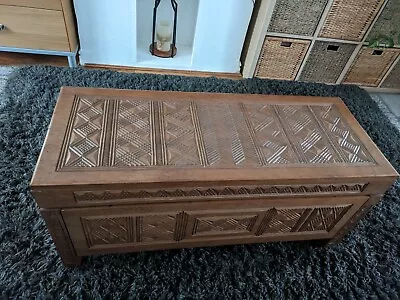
<point x="106" y="136"/>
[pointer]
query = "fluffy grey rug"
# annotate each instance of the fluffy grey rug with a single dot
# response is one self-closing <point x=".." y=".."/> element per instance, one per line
<point x="5" y="73"/>
<point x="366" y="264"/>
<point x="386" y="109"/>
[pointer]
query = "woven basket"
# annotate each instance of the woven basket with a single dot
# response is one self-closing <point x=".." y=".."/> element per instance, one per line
<point x="388" y="22"/>
<point x="326" y="62"/>
<point x="370" y="66"/>
<point x="281" y="58"/>
<point x="296" y="16"/>
<point x="393" y="79"/>
<point x="350" y="19"/>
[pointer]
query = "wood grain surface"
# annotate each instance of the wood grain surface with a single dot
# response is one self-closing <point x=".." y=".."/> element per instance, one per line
<point x="33" y="28"/>
<point x="125" y="170"/>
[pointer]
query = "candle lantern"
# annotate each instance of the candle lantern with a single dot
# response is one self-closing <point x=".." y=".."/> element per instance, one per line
<point x="164" y="33"/>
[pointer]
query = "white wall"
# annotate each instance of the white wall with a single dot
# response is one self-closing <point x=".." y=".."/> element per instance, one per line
<point x="107" y="31"/>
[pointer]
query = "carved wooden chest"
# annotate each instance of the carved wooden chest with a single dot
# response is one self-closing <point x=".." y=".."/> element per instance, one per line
<point x="142" y="170"/>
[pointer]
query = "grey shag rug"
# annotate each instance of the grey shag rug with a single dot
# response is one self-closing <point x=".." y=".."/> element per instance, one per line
<point x="365" y="265"/>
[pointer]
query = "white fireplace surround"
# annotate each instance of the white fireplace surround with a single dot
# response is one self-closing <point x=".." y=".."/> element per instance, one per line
<point x="210" y="33"/>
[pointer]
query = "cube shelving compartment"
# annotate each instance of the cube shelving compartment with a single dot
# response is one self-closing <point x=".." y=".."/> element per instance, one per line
<point x="281" y="58"/>
<point x="393" y="79"/>
<point x="388" y="23"/>
<point x="297" y="16"/>
<point x="370" y="66"/>
<point x="350" y="19"/>
<point x="326" y="61"/>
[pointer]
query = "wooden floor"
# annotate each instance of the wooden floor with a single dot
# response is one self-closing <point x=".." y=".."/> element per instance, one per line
<point x="15" y="59"/>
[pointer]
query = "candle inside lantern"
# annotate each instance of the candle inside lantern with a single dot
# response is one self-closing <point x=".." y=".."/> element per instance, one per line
<point x="164" y="36"/>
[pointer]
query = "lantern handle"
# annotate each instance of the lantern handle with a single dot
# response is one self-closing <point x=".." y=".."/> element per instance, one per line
<point x="174" y="5"/>
<point x="156" y="4"/>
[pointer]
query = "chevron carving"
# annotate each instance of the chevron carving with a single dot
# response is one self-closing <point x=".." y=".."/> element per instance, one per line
<point x="177" y="226"/>
<point x="217" y="192"/>
<point x="133" y="145"/>
<point x="85" y="139"/>
<point x="135" y="133"/>
<point x="340" y="132"/>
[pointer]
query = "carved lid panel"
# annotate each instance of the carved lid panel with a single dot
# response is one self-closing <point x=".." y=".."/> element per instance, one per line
<point x="143" y="130"/>
<point x="136" y="133"/>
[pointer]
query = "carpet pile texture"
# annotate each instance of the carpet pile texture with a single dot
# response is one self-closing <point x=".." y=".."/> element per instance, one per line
<point x="366" y="264"/>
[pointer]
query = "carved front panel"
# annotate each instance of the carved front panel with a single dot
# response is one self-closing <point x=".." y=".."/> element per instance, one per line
<point x="103" y="231"/>
<point x="129" y="229"/>
<point x="135" y="133"/>
<point x="300" y="220"/>
<point x="187" y="225"/>
<point x="281" y="220"/>
<point x="207" y="225"/>
<point x="156" y="228"/>
<point x="323" y="218"/>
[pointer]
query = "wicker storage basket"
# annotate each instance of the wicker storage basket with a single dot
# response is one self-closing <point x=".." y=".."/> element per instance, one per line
<point x="326" y="62"/>
<point x="388" y="22"/>
<point x="297" y="16"/>
<point x="350" y="19"/>
<point x="281" y="58"/>
<point x="370" y="66"/>
<point x="393" y="79"/>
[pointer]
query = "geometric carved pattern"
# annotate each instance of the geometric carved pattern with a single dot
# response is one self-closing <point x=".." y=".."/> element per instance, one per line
<point x="156" y="228"/>
<point x="108" y="231"/>
<point x="238" y="138"/>
<point x="300" y="220"/>
<point x="86" y="133"/>
<point x="215" y="192"/>
<point x="350" y="146"/>
<point x="205" y="117"/>
<point x="306" y="136"/>
<point x="101" y="231"/>
<point x="273" y="144"/>
<point x="179" y="143"/>
<point x="323" y="218"/>
<point x="281" y="220"/>
<point x="132" y="133"/>
<point x="133" y="140"/>
<point x="119" y="230"/>
<point x="223" y="224"/>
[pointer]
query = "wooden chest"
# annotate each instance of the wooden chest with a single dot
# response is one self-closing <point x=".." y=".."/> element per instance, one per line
<point x="142" y="170"/>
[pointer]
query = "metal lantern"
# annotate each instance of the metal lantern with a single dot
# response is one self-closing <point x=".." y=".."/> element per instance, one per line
<point x="164" y="35"/>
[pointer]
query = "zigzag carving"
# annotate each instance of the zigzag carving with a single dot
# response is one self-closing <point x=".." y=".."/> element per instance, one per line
<point x="250" y="191"/>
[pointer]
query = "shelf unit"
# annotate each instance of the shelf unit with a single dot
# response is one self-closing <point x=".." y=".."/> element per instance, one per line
<point x="262" y="30"/>
<point x="39" y="27"/>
